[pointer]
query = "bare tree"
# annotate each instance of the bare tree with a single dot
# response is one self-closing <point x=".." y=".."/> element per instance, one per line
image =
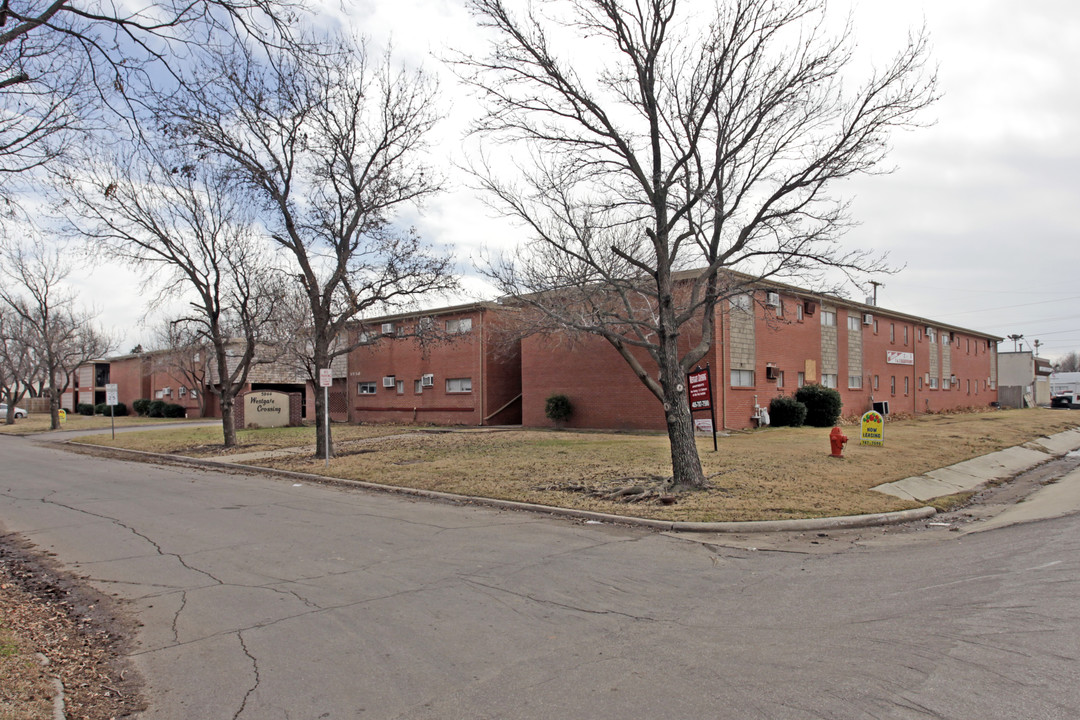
<point x="65" y="62"/>
<point x="1070" y="362"/>
<point x="19" y="367"/>
<point x="187" y="356"/>
<point x="662" y="137"/>
<point x="63" y="335"/>
<point x="192" y="229"/>
<point x="332" y="145"/>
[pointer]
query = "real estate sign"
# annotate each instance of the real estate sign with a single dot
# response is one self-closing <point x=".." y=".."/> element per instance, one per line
<point x="700" y="394"/>
<point x="896" y="357"/>
<point x="266" y="408"/>
<point x="873" y="429"/>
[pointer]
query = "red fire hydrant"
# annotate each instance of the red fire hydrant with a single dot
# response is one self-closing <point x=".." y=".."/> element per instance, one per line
<point x="837" y="440"/>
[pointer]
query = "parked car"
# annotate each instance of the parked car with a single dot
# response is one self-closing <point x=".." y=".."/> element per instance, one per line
<point x="19" y="412"/>
<point x="1066" y="400"/>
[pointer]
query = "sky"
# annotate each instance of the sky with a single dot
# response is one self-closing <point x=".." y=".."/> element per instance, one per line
<point x="979" y="215"/>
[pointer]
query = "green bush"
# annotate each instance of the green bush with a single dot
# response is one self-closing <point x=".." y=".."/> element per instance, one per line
<point x="141" y="406"/>
<point x="120" y="409"/>
<point x="786" y="411"/>
<point x="156" y="409"/>
<point x="84" y="409"/>
<point x="173" y="410"/>
<point x="823" y="404"/>
<point x="101" y="409"/>
<point x="558" y="409"/>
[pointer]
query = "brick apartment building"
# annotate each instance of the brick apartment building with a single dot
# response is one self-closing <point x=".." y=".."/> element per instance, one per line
<point x="464" y="365"/>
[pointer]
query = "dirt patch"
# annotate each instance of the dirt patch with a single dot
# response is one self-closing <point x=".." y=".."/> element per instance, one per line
<point x="56" y="628"/>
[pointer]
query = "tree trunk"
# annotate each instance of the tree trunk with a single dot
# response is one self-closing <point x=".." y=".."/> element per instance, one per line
<point x="685" y="461"/>
<point x="54" y="409"/>
<point x="228" y="419"/>
<point x="324" y="444"/>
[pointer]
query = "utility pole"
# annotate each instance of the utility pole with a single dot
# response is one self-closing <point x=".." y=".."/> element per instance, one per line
<point x="1037" y="344"/>
<point x="875" y="283"/>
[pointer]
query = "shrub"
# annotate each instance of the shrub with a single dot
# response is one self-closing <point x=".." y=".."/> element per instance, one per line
<point x="172" y="410"/>
<point x="558" y="409"/>
<point x="822" y="404"/>
<point x="84" y="409"/>
<point x="786" y="411"/>
<point x="156" y="409"/>
<point x="101" y="409"/>
<point x="141" y="406"/>
<point x="120" y="409"/>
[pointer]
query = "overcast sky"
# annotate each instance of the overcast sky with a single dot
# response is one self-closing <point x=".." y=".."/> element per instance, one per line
<point x="981" y="212"/>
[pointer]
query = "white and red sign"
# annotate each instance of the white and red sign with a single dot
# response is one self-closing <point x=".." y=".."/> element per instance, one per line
<point x="699" y="390"/>
<point x="326" y="377"/>
<point x="896" y="357"/>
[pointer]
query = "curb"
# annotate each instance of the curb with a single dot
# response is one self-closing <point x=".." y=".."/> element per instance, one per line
<point x="744" y="526"/>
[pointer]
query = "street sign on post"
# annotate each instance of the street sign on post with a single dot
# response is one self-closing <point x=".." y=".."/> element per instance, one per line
<point x="326" y="379"/>
<point x="112" y="399"/>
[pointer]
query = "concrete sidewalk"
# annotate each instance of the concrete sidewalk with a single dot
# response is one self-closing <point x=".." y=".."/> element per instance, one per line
<point x="972" y="474"/>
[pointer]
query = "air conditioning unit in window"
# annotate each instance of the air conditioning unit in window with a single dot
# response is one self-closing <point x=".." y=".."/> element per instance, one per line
<point x="773" y="299"/>
<point x="388" y="328"/>
<point x="867" y="319"/>
<point x="771" y="372"/>
<point x="427" y="380"/>
<point x="809" y="307"/>
<point x="389" y="381"/>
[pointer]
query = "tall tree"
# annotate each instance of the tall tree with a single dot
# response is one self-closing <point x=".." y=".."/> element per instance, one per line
<point x="63" y="336"/>
<point x="18" y="361"/>
<point x="332" y="146"/>
<point x="664" y="136"/>
<point x="192" y="230"/>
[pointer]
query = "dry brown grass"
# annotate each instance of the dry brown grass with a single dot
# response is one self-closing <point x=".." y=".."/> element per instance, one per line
<point x="39" y="423"/>
<point x="26" y="690"/>
<point x="774" y="473"/>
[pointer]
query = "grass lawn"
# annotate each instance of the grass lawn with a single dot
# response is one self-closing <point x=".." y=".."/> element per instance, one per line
<point x="773" y="473"/>
<point x="39" y="422"/>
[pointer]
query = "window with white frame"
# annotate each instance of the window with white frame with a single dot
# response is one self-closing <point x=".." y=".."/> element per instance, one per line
<point x="742" y="302"/>
<point x="459" y="325"/>
<point x="907" y="385"/>
<point x="366" y="388"/>
<point x="798" y="311"/>
<point x="828" y="380"/>
<point x="742" y="378"/>
<point x="458" y="385"/>
<point x="801" y="379"/>
<point x="892" y="332"/>
<point x="779" y="378"/>
<point x="854" y="382"/>
<point x="400" y="387"/>
<point x="418" y="387"/>
<point x="194" y="394"/>
<point x="905" y="334"/>
<point x="892" y="385"/>
<point x="853" y="322"/>
<point x="182" y="391"/>
<point x="828" y="318"/>
<point x="875" y="382"/>
<point x="933" y="383"/>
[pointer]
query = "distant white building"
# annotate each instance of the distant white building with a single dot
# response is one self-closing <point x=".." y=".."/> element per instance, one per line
<point x="1023" y="380"/>
<point x="1061" y="383"/>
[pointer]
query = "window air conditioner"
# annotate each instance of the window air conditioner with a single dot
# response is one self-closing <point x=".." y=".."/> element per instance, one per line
<point x="771" y="372"/>
<point x="389" y="381"/>
<point x="388" y="328"/>
<point x="809" y="307"/>
<point x="867" y="319"/>
<point x="773" y="299"/>
<point x="427" y="380"/>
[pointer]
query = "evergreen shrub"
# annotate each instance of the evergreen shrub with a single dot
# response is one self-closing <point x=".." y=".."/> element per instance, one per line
<point x="84" y="409"/>
<point x="823" y="404"/>
<point x="786" y="411"/>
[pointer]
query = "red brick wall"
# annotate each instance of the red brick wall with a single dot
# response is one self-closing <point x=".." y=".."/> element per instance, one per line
<point x="127" y="374"/>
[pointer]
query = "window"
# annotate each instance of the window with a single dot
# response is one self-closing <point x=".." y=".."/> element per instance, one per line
<point x="931" y="336"/>
<point x="742" y="378"/>
<point x="875" y="327"/>
<point x="459" y="385"/>
<point x="742" y="302"/>
<point x="194" y="394"/>
<point x="854" y="382"/>
<point x="920" y="334"/>
<point x="828" y="318"/>
<point x="801" y="380"/>
<point x="907" y="385"/>
<point x="969" y="386"/>
<point x="945" y="338"/>
<point x="365" y="336"/>
<point x="365" y="388"/>
<point x="875" y="382"/>
<point x="853" y="322"/>
<point x="779" y="308"/>
<point x="828" y="380"/>
<point x="892" y="385"/>
<point x="400" y="387"/>
<point x="780" y="379"/>
<point x="459" y="325"/>
<point x="892" y="332"/>
<point x="933" y="383"/>
<point x="905" y="334"/>
<point x="798" y="311"/>
<point x="418" y="387"/>
<point x="182" y="391"/>
<point x="968" y="341"/>
<point x="920" y="383"/>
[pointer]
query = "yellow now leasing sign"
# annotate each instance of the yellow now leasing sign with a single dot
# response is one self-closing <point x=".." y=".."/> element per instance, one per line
<point x="873" y="429"/>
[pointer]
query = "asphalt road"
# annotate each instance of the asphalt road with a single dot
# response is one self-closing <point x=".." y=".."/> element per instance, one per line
<point x="264" y="599"/>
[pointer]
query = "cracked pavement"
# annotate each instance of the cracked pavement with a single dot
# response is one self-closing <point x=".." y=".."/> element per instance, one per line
<point x="262" y="598"/>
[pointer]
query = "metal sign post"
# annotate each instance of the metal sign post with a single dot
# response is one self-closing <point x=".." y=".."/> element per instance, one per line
<point x="326" y="379"/>
<point x="111" y="398"/>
